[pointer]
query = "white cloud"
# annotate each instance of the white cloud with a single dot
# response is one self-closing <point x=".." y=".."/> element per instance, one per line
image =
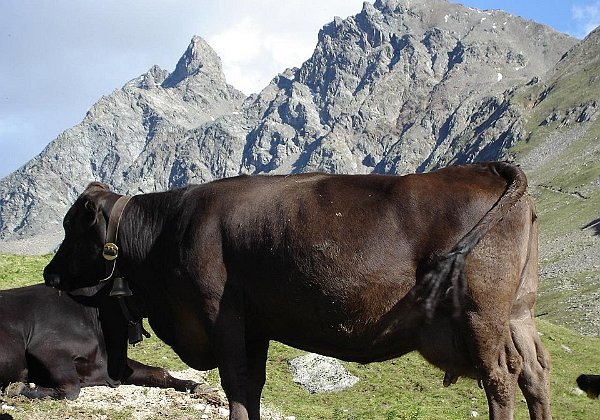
<point x="587" y="18"/>
<point x="252" y="55"/>
<point x="256" y="43"/>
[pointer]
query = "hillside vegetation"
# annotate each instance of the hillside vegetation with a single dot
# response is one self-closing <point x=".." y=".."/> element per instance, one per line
<point x="404" y="388"/>
<point x="561" y="156"/>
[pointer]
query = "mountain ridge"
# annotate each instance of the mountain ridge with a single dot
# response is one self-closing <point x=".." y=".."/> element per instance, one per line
<point x="382" y="92"/>
<point x="402" y="86"/>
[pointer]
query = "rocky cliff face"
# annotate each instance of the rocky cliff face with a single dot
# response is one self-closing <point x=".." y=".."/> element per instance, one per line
<point x="402" y="86"/>
<point x="128" y="139"/>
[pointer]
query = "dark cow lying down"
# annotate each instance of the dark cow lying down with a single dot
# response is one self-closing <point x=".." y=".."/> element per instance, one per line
<point x="590" y="384"/>
<point x="359" y="267"/>
<point x="62" y="343"/>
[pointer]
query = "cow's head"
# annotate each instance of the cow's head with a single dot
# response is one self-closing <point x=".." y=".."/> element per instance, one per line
<point x="78" y="262"/>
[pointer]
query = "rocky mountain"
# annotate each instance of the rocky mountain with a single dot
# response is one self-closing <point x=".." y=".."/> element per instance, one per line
<point x="123" y="140"/>
<point x="402" y="86"/>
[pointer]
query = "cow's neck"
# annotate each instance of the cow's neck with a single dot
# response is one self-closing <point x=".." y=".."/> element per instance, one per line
<point x="146" y="219"/>
<point x="149" y="231"/>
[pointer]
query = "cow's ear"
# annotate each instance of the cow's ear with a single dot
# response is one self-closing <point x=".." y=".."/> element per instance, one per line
<point x="92" y="211"/>
<point x="96" y="185"/>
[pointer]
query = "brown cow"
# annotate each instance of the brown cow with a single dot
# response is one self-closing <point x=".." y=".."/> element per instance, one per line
<point x="359" y="267"/>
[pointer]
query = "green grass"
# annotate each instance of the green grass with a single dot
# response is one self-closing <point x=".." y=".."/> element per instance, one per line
<point x="560" y="214"/>
<point x="581" y="80"/>
<point x="17" y="271"/>
<point x="410" y="388"/>
<point x="404" y="388"/>
<point x="566" y="90"/>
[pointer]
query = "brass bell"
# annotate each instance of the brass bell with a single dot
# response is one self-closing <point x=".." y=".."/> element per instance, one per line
<point x="120" y="288"/>
<point x="110" y="251"/>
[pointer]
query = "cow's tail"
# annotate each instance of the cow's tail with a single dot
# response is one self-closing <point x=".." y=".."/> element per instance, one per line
<point x="447" y="269"/>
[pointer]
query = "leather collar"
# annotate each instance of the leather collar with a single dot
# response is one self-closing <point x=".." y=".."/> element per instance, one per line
<point x="110" y="252"/>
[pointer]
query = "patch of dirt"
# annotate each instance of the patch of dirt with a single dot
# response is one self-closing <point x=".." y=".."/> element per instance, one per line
<point x="129" y="402"/>
<point x="145" y="402"/>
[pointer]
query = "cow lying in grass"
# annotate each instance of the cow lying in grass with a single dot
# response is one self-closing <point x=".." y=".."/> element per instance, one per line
<point x="62" y="343"/>
<point x="590" y="384"/>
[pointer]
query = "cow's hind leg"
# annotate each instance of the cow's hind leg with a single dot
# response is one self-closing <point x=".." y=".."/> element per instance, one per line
<point x="69" y="391"/>
<point x="54" y="374"/>
<point x="534" y="378"/>
<point x="498" y="364"/>
<point x="67" y="388"/>
<point x="499" y="381"/>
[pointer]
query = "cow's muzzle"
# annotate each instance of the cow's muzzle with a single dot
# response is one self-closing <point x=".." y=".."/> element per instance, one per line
<point x="52" y="280"/>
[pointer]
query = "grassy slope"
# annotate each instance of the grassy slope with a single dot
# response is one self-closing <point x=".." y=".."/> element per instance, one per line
<point x="565" y="182"/>
<point x="563" y="214"/>
<point x="405" y="388"/>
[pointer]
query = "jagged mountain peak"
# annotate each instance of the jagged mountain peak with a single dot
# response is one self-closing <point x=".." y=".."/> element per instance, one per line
<point x="199" y="59"/>
<point x="391" y="5"/>
<point x="401" y="86"/>
<point x="149" y="80"/>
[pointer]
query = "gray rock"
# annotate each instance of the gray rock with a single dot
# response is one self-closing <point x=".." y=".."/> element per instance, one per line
<point x="317" y="373"/>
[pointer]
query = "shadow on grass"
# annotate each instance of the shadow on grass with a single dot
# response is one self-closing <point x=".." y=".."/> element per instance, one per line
<point x="594" y="225"/>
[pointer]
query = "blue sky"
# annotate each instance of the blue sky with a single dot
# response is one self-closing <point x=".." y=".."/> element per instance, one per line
<point x="58" y="58"/>
<point x="576" y="18"/>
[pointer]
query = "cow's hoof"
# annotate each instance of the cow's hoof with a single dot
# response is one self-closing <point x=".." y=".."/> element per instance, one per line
<point x="15" y="389"/>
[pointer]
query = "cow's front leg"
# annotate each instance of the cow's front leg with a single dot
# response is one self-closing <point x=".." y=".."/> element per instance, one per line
<point x="230" y="352"/>
<point x="256" y="356"/>
<point x="144" y="375"/>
